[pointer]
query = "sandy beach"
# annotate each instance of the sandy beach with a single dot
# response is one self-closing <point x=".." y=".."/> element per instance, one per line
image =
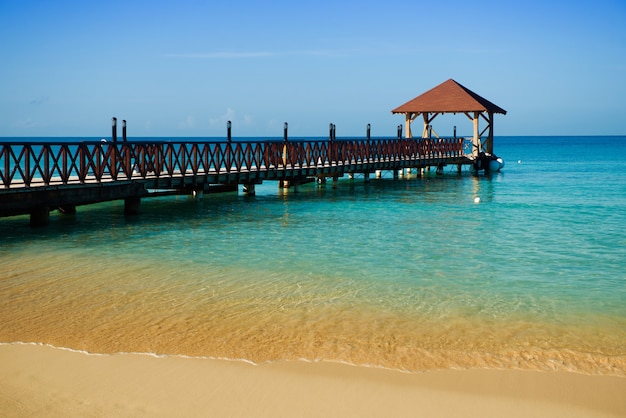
<point x="38" y="380"/>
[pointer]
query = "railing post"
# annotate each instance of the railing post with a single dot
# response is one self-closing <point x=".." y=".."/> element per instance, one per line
<point x="27" y="152"/>
<point x="7" y="165"/>
<point x="46" y="165"/>
<point x="228" y="157"/>
<point x="112" y="153"/>
<point x="65" y="170"/>
<point x="367" y="144"/>
<point x="229" y="139"/>
<point x="114" y="129"/>
<point x="83" y="167"/>
<point x="399" y="131"/>
<point x="331" y="148"/>
<point x="124" y="130"/>
<point x="285" y="141"/>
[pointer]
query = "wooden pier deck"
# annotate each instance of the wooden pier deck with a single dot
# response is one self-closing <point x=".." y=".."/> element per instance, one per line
<point x="36" y="178"/>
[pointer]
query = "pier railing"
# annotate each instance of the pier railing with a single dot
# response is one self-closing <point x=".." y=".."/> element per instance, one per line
<point x="32" y="164"/>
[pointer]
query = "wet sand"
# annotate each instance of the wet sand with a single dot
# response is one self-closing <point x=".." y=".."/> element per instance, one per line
<point x="40" y="380"/>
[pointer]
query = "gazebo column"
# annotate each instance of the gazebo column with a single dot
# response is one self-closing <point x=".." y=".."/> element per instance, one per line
<point x="426" y="122"/>
<point x="409" y="117"/>
<point x="409" y="134"/>
<point x="476" y="138"/>
<point x="489" y="144"/>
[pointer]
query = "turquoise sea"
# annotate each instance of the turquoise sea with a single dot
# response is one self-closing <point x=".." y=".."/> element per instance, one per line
<point x="409" y="274"/>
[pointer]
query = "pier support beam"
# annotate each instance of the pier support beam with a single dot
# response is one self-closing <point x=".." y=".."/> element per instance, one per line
<point x="198" y="194"/>
<point x="286" y="184"/>
<point x="366" y="177"/>
<point x="249" y="189"/>
<point x="67" y="209"/>
<point x="131" y="205"/>
<point x="40" y="216"/>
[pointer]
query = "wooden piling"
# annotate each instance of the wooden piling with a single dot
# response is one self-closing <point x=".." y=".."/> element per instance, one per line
<point x="131" y="205"/>
<point x="67" y="209"/>
<point x="198" y="194"/>
<point x="40" y="216"/>
<point x="249" y="189"/>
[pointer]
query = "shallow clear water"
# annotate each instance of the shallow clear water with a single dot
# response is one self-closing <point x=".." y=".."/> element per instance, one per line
<point x="409" y="274"/>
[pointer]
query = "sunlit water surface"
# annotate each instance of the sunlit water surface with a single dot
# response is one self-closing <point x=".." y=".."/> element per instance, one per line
<point x="408" y="274"/>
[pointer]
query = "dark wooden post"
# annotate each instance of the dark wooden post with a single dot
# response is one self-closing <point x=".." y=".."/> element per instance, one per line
<point x="229" y="138"/>
<point x="367" y="144"/>
<point x="27" y="172"/>
<point x="40" y="216"/>
<point x="399" y="131"/>
<point x="285" y="155"/>
<point x="332" y="147"/>
<point x="114" y="129"/>
<point x="124" y="130"/>
<point x="131" y="205"/>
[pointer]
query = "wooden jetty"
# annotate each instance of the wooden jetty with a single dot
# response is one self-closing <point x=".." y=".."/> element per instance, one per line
<point x="37" y="177"/>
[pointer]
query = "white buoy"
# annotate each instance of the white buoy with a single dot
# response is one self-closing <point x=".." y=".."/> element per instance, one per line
<point x="477" y="199"/>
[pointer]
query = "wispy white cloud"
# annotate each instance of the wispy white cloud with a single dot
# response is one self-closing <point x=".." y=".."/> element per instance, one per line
<point x="265" y="54"/>
<point x="188" y="123"/>
<point x="26" y="124"/>
<point x="222" y="55"/>
<point x="221" y="120"/>
<point x="39" y="100"/>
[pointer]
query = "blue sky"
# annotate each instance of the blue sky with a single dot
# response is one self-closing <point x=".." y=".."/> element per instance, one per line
<point x="184" y="68"/>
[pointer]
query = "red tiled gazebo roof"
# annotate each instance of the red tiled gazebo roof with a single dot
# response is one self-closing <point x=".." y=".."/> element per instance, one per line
<point x="448" y="97"/>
